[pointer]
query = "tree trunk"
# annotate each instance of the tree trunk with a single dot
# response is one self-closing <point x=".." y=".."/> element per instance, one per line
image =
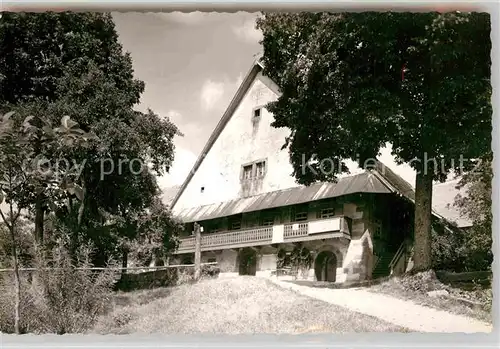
<point x="17" y="281"/>
<point x="423" y="219"/>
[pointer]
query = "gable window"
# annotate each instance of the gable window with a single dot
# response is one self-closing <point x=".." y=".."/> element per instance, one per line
<point x="247" y="171"/>
<point x="256" y="113"/>
<point x="260" y="169"/>
<point x="256" y="169"/>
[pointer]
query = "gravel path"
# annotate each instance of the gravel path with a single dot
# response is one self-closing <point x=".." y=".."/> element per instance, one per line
<point x="399" y="312"/>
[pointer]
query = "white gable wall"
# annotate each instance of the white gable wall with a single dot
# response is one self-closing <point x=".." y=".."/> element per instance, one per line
<point x="238" y="144"/>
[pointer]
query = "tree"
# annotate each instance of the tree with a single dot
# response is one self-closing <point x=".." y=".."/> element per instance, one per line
<point x="73" y="64"/>
<point x="476" y="205"/>
<point x="22" y="168"/>
<point x="353" y="82"/>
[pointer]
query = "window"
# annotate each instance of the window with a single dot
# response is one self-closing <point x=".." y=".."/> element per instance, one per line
<point x="267" y="219"/>
<point x="247" y="171"/>
<point x="256" y="112"/>
<point x="300" y="213"/>
<point x="235" y="222"/>
<point x="261" y="169"/>
<point x="251" y="219"/>
<point x="213" y="226"/>
<point x="300" y="216"/>
<point x="188" y="229"/>
<point x="202" y="189"/>
<point x="254" y="170"/>
<point x="327" y="212"/>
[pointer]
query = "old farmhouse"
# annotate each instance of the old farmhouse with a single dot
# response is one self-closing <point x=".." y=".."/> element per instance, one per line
<point x="253" y="214"/>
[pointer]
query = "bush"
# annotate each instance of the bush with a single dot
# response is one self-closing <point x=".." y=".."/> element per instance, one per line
<point x="459" y="250"/>
<point x="59" y="300"/>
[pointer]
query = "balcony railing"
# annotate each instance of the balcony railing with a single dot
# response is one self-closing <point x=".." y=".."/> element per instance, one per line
<point x="283" y="233"/>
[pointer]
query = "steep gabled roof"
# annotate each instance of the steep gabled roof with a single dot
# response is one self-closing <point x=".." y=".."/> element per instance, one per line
<point x="240" y="93"/>
<point x="443" y="196"/>
<point x="169" y="193"/>
<point x="394" y="181"/>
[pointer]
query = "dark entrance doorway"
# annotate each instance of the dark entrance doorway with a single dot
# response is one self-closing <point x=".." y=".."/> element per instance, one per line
<point x="247" y="262"/>
<point x="325" y="266"/>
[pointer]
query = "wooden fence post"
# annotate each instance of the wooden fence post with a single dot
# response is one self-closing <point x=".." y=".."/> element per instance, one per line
<point x="197" y="252"/>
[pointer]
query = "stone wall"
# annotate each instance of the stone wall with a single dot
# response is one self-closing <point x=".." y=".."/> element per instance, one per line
<point x="163" y="278"/>
<point x="358" y="260"/>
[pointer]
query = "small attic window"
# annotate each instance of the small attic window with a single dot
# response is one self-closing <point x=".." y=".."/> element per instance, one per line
<point x="256" y="112"/>
<point x="247" y="171"/>
<point x="202" y="189"/>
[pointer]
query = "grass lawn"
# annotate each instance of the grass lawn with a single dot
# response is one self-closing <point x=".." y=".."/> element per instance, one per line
<point x="242" y="305"/>
<point x="415" y="288"/>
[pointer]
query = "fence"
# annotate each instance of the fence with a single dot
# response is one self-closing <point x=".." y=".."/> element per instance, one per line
<point x="112" y="268"/>
<point x="144" y="277"/>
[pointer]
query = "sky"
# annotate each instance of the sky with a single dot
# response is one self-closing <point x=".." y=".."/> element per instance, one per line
<point x="192" y="64"/>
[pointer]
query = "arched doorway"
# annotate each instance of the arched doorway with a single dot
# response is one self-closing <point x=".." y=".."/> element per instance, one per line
<point x="247" y="262"/>
<point x="325" y="266"/>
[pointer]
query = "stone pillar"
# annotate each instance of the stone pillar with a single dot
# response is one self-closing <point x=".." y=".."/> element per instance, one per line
<point x="197" y="252"/>
<point x="358" y="261"/>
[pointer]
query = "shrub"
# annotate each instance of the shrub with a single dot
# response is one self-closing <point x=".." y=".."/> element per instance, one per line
<point x="301" y="261"/>
<point x="62" y="299"/>
<point x="459" y="250"/>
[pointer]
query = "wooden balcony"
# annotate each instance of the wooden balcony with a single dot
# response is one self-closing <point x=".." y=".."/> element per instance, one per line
<point x="329" y="228"/>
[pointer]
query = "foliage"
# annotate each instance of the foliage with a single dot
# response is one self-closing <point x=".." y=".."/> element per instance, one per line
<point x="247" y="261"/>
<point x="73" y="64"/>
<point x="282" y="259"/>
<point x="353" y="82"/>
<point x="476" y="205"/>
<point x="24" y="240"/>
<point x="301" y="260"/>
<point x="23" y="169"/>
<point x="468" y="249"/>
<point x="61" y="300"/>
<point x="157" y="233"/>
<point x="448" y="248"/>
<point x="472" y="246"/>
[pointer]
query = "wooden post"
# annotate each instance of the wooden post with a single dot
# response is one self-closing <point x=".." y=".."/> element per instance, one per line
<point x="197" y="252"/>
